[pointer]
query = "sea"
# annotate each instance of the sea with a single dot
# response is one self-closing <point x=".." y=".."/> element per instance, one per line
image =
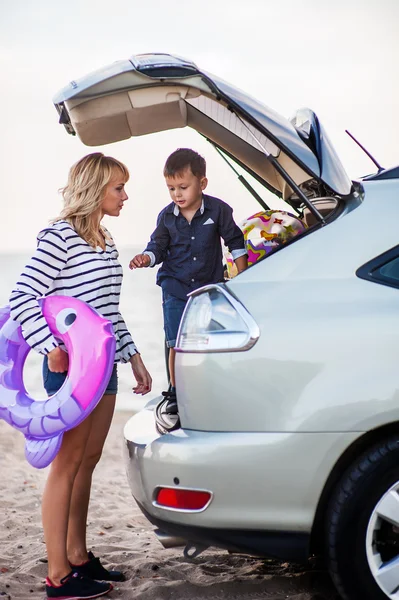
<point x="141" y="307"/>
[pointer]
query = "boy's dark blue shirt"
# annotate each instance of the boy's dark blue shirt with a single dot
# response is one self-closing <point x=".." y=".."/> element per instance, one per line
<point x="191" y="253"/>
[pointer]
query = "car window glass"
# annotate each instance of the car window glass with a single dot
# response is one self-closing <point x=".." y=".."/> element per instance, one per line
<point x="383" y="269"/>
<point x="391" y="269"/>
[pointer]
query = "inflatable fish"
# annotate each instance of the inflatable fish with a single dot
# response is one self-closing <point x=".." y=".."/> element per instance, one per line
<point x="90" y="342"/>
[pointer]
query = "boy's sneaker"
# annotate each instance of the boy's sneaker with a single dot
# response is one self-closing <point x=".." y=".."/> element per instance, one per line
<point x="167" y="414"/>
<point x="77" y="587"/>
<point x="95" y="570"/>
<point x="170" y="400"/>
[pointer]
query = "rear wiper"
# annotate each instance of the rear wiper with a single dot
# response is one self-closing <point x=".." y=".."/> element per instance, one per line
<point x="241" y="178"/>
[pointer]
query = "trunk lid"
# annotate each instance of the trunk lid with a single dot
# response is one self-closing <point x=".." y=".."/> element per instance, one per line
<point x="156" y="92"/>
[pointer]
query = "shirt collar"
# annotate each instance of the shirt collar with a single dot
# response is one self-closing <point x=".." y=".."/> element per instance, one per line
<point x="176" y="209"/>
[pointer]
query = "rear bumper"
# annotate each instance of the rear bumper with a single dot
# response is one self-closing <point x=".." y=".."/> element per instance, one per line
<point x="291" y="546"/>
<point x="265" y="486"/>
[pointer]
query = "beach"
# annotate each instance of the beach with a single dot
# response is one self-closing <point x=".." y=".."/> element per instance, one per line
<point x="120" y="534"/>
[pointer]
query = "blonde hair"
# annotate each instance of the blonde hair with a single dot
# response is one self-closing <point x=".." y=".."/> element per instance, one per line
<point x="84" y="192"/>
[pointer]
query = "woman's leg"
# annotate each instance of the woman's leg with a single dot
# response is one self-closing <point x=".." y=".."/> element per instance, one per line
<point x="57" y="498"/>
<point x="100" y="424"/>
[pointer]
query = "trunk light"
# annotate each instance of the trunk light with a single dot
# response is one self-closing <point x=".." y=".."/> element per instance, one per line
<point x="180" y="499"/>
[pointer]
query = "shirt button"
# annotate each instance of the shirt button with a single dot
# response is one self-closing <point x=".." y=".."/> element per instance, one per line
<point x="193" y="237"/>
<point x="194" y="258"/>
<point x="193" y="280"/>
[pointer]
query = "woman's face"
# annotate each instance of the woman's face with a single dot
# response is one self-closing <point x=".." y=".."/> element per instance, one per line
<point x="115" y="195"/>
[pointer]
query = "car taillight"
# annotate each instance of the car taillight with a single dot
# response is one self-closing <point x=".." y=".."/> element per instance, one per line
<point x="180" y="499"/>
<point x="215" y="321"/>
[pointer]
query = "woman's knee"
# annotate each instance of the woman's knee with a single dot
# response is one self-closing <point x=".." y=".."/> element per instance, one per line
<point x="91" y="459"/>
<point x="70" y="456"/>
<point x="67" y="467"/>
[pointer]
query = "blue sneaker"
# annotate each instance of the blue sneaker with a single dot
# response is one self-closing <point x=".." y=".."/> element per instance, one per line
<point x="77" y="587"/>
<point x="95" y="570"/>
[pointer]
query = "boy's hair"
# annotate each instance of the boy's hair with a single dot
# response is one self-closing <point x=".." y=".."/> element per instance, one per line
<point x="181" y="159"/>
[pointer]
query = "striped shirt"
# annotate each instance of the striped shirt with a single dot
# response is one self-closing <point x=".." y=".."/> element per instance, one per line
<point x="65" y="264"/>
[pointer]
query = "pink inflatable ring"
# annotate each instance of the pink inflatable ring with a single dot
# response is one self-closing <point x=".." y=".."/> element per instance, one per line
<point x="90" y="342"/>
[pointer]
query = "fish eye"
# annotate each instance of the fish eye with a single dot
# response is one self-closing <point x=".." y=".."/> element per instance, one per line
<point x="65" y="319"/>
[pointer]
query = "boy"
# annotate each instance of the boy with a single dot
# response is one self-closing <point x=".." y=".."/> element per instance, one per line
<point x="187" y="243"/>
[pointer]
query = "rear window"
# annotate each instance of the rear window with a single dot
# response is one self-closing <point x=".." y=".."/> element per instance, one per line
<point x="382" y="269"/>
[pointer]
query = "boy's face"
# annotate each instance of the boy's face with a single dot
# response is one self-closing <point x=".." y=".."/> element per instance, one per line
<point x="186" y="189"/>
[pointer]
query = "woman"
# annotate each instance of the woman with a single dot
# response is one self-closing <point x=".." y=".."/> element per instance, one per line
<point x="76" y="256"/>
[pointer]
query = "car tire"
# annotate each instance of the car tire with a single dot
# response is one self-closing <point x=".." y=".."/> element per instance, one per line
<point x="359" y="535"/>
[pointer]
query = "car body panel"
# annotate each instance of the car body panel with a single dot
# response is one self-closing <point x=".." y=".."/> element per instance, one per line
<point x="277" y="477"/>
<point x="319" y="352"/>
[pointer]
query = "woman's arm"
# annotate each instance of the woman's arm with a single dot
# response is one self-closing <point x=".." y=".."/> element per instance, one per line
<point x="127" y="347"/>
<point x="42" y="269"/>
<point x="129" y="353"/>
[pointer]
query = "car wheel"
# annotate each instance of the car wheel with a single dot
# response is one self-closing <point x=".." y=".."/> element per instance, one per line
<point x="363" y="526"/>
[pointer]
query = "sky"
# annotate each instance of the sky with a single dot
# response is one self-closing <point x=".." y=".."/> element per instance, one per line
<point x="339" y="58"/>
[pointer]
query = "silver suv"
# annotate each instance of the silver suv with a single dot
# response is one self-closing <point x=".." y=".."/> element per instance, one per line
<point x="286" y="441"/>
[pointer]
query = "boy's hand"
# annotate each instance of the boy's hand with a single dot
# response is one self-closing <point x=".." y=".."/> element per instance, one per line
<point x="139" y="261"/>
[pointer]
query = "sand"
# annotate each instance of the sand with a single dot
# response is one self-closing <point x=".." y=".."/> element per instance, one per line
<point x="124" y="539"/>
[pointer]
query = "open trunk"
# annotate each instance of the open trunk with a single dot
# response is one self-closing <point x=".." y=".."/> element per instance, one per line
<point x="294" y="158"/>
<point x="149" y="93"/>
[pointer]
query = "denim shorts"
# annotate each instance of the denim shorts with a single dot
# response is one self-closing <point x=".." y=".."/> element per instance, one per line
<point x="53" y="381"/>
<point x="172" y="313"/>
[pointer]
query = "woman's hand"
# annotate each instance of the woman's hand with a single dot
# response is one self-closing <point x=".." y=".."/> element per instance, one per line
<point x="58" y="360"/>
<point x="142" y="376"/>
